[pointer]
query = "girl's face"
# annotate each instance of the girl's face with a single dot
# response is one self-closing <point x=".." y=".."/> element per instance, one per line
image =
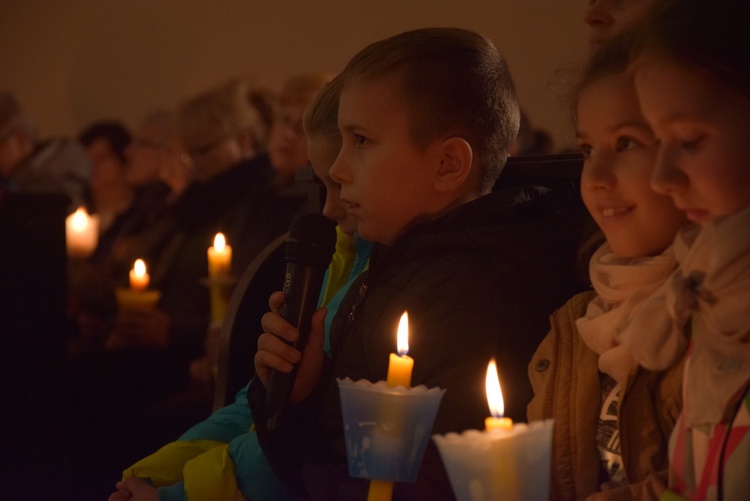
<point x="619" y="155"/>
<point x="323" y="152"/>
<point x="703" y="129"/>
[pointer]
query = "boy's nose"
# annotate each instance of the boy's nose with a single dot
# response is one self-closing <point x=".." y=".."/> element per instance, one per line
<point x="339" y="171"/>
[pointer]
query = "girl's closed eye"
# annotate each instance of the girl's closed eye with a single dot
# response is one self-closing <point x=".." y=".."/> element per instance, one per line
<point x="693" y="143"/>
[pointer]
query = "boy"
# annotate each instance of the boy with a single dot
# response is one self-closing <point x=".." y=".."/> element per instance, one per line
<point x="427" y="118"/>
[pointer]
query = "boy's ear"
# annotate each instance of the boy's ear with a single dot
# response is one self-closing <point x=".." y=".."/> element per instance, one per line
<point x="454" y="164"/>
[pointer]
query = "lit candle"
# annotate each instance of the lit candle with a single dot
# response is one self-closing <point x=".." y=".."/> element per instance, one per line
<point x="401" y="365"/>
<point x="504" y="473"/>
<point x="495" y="401"/>
<point x="399" y="374"/>
<point x="138" y="276"/>
<point x="219" y="258"/>
<point x="81" y="233"/>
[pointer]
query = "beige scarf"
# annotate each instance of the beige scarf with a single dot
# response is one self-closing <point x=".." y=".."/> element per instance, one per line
<point x="621" y="285"/>
<point x="716" y="268"/>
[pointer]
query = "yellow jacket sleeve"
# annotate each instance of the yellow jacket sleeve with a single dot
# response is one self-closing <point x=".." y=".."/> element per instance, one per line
<point x="165" y="466"/>
<point x="210" y="476"/>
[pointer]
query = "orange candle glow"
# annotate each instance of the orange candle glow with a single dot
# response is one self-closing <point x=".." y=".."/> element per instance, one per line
<point x="81" y="233"/>
<point x="138" y="276"/>
<point x="401" y="365"/>
<point x="219" y="257"/>
<point x="495" y="401"/>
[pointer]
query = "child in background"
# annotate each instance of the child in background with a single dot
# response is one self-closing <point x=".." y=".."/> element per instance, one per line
<point x="427" y="117"/>
<point x="612" y="417"/>
<point x="609" y="18"/>
<point x="220" y="458"/>
<point x="693" y="84"/>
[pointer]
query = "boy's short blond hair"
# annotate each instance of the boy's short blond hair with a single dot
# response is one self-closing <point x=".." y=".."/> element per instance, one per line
<point x="454" y="83"/>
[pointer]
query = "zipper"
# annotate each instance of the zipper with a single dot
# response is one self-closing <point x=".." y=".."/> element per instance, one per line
<point x="355" y="305"/>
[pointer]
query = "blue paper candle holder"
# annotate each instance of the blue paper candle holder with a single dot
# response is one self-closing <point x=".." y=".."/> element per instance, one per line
<point x="387" y="429"/>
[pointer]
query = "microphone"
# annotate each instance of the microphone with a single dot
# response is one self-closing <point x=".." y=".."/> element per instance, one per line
<point x="309" y="249"/>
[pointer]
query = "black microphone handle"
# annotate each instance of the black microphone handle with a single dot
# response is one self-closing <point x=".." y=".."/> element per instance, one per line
<point x="302" y="285"/>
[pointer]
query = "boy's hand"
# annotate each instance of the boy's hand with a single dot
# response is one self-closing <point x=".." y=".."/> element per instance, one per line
<point x="134" y="489"/>
<point x="275" y="353"/>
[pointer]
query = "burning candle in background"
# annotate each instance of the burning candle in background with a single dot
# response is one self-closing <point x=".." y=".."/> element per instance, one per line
<point x="81" y="233"/>
<point x="138" y="296"/>
<point x="219" y="257"/>
<point x="139" y="278"/>
<point x="219" y="270"/>
<point x="495" y="401"/>
<point x="401" y="365"/>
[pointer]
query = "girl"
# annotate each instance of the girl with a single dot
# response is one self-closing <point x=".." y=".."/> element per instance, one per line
<point x="612" y="418"/>
<point x="693" y="84"/>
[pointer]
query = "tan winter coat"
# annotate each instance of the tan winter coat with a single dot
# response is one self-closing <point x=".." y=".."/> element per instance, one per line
<point x="566" y="381"/>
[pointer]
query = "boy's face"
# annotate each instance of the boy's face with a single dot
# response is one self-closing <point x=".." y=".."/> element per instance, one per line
<point x="702" y="128"/>
<point x="386" y="180"/>
<point x="323" y="153"/>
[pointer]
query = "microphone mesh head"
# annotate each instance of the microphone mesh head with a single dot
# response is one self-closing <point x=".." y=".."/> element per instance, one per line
<point x="311" y="240"/>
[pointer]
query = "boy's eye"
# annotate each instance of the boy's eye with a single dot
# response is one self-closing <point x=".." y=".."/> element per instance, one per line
<point x="360" y="140"/>
<point x="625" y="143"/>
<point x="586" y="150"/>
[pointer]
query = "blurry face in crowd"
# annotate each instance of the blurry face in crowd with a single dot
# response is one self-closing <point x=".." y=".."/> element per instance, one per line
<point x="287" y="143"/>
<point x="14" y="146"/>
<point x="212" y="156"/>
<point x="144" y="156"/>
<point x="608" y="18"/>
<point x="702" y="127"/>
<point x="619" y="152"/>
<point x="323" y="153"/>
<point x="107" y="170"/>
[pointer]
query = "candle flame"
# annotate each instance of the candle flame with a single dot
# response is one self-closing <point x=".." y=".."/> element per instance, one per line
<point x="494" y="393"/>
<point x="220" y="242"/>
<point x="139" y="268"/>
<point x="80" y="219"/>
<point x="402" y="340"/>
